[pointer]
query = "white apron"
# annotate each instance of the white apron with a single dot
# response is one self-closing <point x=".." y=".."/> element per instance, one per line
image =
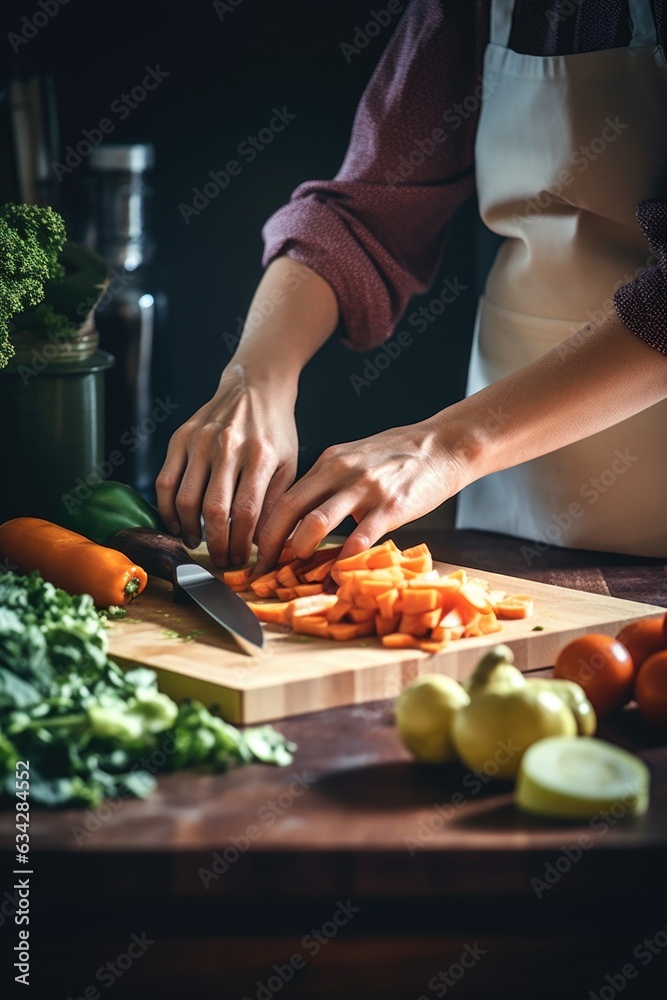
<point x="566" y="147"/>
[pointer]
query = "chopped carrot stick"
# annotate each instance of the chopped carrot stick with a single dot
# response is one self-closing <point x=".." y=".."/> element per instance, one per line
<point x="399" y="640"/>
<point x="311" y="625"/>
<point x="286" y="593"/>
<point x="316" y="605"/>
<point x="237" y="577"/>
<point x="515" y="606"/>
<point x="319" y="572"/>
<point x="308" y="589"/>
<point x="350" y="630"/>
<point x="361" y="614"/>
<point x="414" y="601"/>
<point x="385" y="626"/>
<point x="419" y="625"/>
<point x="273" y="612"/>
<point x="337" y="611"/>
<point x="431" y="646"/>
<point x="265" y="586"/>
<point x="386" y="603"/>
<point x="287" y="577"/>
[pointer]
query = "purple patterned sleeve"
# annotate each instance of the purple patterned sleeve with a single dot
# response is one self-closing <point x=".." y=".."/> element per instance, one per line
<point x="642" y="304"/>
<point x="376" y="231"/>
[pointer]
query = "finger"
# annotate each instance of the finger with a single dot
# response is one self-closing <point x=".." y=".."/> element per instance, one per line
<point x="281" y="482"/>
<point x="375" y="523"/>
<point x="246" y="508"/>
<point x="316" y="519"/>
<point x="216" y="508"/>
<point x="189" y="500"/>
<point x="168" y="482"/>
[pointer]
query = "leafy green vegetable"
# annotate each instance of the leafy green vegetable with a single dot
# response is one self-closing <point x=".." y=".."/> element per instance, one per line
<point x="88" y="728"/>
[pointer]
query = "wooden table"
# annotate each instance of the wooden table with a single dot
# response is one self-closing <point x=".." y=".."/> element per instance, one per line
<point x="355" y="872"/>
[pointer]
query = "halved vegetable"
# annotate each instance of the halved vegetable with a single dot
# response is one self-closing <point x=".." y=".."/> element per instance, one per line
<point x="579" y="777"/>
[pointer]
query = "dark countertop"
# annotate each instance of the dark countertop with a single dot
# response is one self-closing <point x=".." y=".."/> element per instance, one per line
<point x="430" y="856"/>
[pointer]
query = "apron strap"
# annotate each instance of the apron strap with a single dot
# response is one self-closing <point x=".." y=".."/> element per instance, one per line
<point x="501" y="22"/>
<point x="643" y="23"/>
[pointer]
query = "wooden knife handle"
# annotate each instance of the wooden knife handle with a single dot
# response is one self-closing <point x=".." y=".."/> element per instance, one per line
<point x="156" y="552"/>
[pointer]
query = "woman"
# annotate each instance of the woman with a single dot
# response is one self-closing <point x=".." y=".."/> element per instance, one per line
<point x="569" y="159"/>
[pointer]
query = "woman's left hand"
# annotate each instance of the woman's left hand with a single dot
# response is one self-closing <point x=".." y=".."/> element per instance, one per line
<point x="382" y="481"/>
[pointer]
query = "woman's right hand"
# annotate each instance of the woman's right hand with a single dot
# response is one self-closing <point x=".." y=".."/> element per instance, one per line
<point x="234" y="458"/>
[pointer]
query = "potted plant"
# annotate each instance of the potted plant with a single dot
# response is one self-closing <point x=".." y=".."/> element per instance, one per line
<point x="51" y="372"/>
<point x="49" y="288"/>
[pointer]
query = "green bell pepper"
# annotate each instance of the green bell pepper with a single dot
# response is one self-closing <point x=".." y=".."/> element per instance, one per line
<point x="109" y="508"/>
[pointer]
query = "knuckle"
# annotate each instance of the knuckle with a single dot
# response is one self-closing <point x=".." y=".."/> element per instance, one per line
<point x="393" y="506"/>
<point x="263" y="449"/>
<point x="244" y="510"/>
<point x="367" y="479"/>
<point x="316" y="519"/>
<point x="215" y="509"/>
<point x="165" y="481"/>
<point x="187" y="502"/>
<point x="285" y="505"/>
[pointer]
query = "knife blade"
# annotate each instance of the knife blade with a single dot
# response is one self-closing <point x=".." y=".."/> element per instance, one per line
<point x="165" y="556"/>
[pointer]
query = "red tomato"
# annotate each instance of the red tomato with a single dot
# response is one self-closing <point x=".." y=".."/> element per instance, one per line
<point x="642" y="639"/>
<point x="651" y="689"/>
<point x="602" y="666"/>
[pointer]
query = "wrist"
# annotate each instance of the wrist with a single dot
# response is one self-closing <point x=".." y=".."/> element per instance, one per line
<point x="265" y="376"/>
<point x="463" y="438"/>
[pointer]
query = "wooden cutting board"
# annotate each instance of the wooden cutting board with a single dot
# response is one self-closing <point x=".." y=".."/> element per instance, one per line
<point x="298" y="674"/>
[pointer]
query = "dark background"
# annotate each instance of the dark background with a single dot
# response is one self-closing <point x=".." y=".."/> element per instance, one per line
<point x="225" y="77"/>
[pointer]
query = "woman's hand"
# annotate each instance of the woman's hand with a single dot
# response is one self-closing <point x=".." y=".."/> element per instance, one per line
<point x="233" y="459"/>
<point x="383" y="481"/>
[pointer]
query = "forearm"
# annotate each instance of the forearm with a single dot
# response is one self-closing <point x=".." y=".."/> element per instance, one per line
<point x="598" y="377"/>
<point x="293" y="312"/>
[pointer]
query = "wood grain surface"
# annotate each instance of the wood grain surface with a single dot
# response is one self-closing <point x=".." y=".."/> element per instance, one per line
<point x="297" y="674"/>
<point x="369" y="826"/>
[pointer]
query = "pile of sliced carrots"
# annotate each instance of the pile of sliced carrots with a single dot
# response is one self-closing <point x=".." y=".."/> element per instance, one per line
<point x="393" y="594"/>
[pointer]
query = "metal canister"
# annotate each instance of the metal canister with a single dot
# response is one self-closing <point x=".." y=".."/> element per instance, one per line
<point x="53" y="433"/>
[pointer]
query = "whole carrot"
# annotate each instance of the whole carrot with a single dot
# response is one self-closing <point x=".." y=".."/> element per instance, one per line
<point x="70" y="561"/>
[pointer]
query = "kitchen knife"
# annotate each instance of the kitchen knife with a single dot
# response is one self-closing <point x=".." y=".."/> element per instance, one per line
<point x="165" y="556"/>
